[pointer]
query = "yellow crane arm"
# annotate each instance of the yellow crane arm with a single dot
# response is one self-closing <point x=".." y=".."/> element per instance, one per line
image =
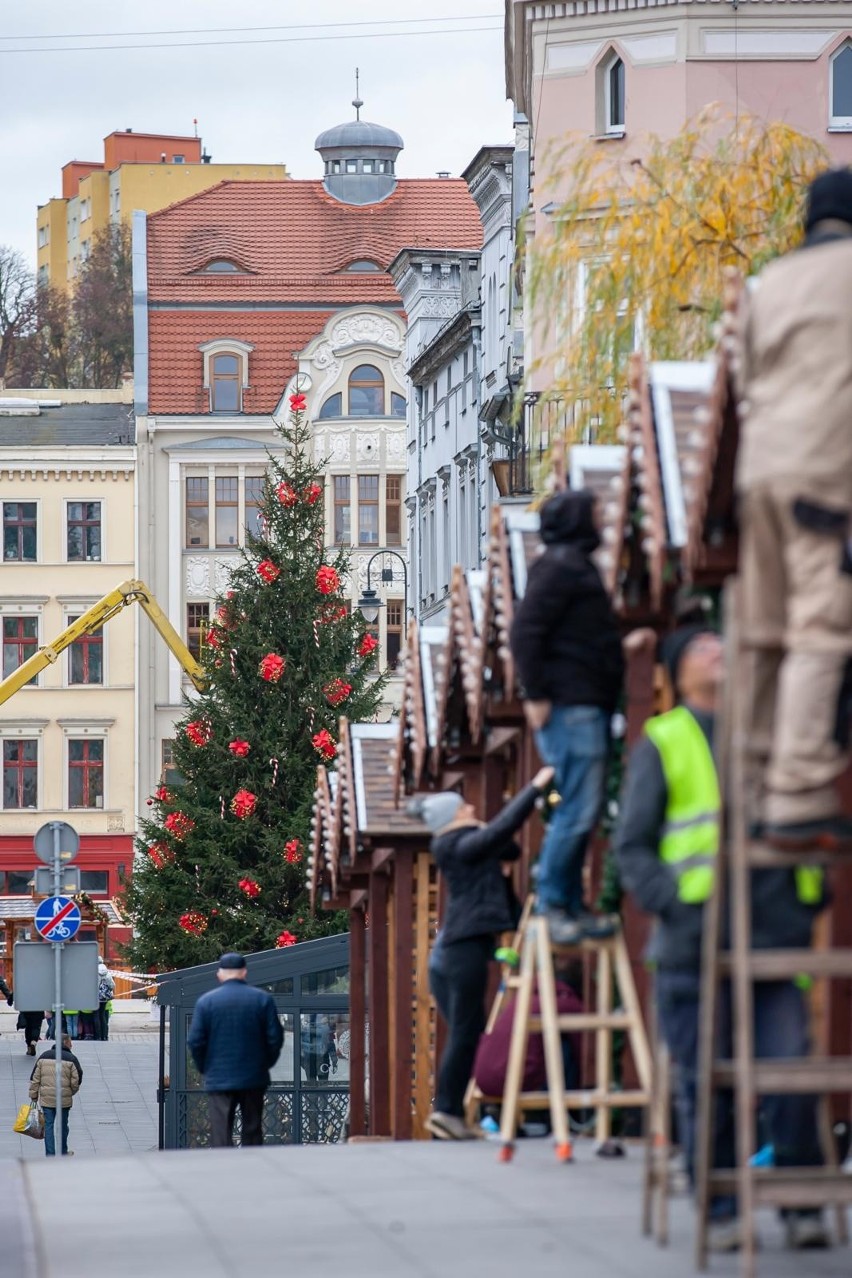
<point x="95" y="618"/>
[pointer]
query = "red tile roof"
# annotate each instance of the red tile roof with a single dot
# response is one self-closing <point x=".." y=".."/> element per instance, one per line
<point x="294" y="242"/>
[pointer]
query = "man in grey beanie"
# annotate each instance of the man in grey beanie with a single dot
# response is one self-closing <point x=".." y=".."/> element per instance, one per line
<point x="795" y="484"/>
<point x="470" y="856"/>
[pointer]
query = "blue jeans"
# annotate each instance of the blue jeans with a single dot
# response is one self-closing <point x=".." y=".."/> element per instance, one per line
<point x="574" y="742"/>
<point x="71" y="1023"/>
<point x="780" y="1030"/>
<point x="49" y="1121"/>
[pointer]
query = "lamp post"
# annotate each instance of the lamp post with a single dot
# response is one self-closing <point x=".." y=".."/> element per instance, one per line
<point x="370" y="603"/>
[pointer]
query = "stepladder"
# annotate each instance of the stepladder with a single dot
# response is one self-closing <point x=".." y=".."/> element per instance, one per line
<point x="737" y="1085"/>
<point x="658" y="1146"/>
<point x="534" y="981"/>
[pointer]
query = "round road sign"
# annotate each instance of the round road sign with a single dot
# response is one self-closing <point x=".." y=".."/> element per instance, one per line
<point x="57" y="918"/>
<point x="44" y="842"/>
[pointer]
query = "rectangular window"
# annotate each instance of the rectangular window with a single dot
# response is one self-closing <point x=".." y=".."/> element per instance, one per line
<point x="20" y="883"/>
<point x="253" y="498"/>
<point x="342" y="511"/>
<point x="227" y="510"/>
<point x="197" y="512"/>
<point x="19" y="531"/>
<point x="167" y="752"/>
<point x="86" y="773"/>
<point x="84" y="532"/>
<point x="197" y="625"/>
<point x="395" y="622"/>
<point x="95" y="881"/>
<point x="20" y="773"/>
<point x="393" y="510"/>
<point x="368" y="510"/>
<point x="86" y="658"/>
<point x="20" y="641"/>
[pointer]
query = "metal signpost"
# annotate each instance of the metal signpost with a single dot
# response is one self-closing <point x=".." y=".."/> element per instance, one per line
<point x="57" y="919"/>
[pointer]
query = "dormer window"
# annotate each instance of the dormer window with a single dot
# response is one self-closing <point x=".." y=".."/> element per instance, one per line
<point x="226" y="370"/>
<point x="363" y="265"/>
<point x="222" y="266"/>
<point x="840" y="93"/>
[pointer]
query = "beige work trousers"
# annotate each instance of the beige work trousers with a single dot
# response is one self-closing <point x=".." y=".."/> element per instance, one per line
<point x="797" y="621"/>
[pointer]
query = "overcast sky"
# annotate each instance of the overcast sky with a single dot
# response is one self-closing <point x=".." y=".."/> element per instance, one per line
<point x="263" y="101"/>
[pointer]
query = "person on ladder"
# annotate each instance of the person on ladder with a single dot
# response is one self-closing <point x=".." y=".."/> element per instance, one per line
<point x="794" y="477"/>
<point x="566" y="643"/>
<point x="666" y="844"/>
<point x="480" y="905"/>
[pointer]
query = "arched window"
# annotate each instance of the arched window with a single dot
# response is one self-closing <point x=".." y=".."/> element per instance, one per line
<point x="366" y="392"/>
<point x="221" y="266"/>
<point x="841" y="88"/>
<point x="398" y="405"/>
<point x="614" y="95"/>
<point x="225" y="384"/>
<point x="333" y="406"/>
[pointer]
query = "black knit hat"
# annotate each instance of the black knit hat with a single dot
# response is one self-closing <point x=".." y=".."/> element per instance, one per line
<point x="829" y="196"/>
<point x="674" y="646"/>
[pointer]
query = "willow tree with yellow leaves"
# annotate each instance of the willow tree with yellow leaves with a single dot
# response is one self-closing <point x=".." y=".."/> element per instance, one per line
<point x="633" y="256"/>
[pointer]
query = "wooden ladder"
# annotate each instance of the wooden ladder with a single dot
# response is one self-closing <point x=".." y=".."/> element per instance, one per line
<point x="536" y="972"/>
<point x="741" y="966"/>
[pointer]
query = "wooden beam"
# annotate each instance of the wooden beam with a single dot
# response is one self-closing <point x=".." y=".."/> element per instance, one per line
<point x="403" y="995"/>
<point x="377" y="946"/>
<point x="357" y="1023"/>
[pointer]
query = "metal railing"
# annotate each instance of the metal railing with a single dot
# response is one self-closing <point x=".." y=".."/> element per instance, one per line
<point x="540" y="422"/>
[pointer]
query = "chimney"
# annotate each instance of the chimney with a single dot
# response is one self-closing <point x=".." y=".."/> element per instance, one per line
<point x="128" y="130"/>
<point x="443" y="173"/>
<point x="205" y="158"/>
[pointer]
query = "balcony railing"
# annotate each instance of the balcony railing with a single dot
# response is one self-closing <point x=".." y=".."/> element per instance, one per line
<point x="541" y="421"/>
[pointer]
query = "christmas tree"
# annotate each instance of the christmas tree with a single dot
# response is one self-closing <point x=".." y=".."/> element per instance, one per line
<point x="221" y="859"/>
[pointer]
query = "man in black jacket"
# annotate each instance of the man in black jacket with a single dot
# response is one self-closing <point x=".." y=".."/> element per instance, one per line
<point x="470" y="856"/>
<point x="235" y="1039"/>
<point x="665" y="857"/>
<point x="567" y="647"/>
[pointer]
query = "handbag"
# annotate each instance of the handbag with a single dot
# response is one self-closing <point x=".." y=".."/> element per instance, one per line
<point x="30" y="1121"/>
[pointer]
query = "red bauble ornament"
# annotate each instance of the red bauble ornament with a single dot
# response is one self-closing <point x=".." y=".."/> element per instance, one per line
<point x="292" y="852"/>
<point x="298" y="403"/>
<point x="193" y="922"/>
<point x="324" y="743"/>
<point x="327" y="580"/>
<point x="336" y="691"/>
<point x="250" y="887"/>
<point x="286" y="494"/>
<point x="199" y="731"/>
<point x="313" y="493"/>
<point x="243" y="804"/>
<point x="368" y="645"/>
<point x="239" y="748"/>
<point x="179" y="825"/>
<point x="162" y="795"/>
<point x="272" y="667"/>
<point x="284" y="939"/>
<point x="268" y="571"/>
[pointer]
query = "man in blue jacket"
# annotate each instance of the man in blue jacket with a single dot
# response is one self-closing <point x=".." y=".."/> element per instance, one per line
<point x="235" y="1039"/>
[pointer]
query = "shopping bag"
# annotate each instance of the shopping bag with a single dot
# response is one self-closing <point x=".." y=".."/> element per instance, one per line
<point x="30" y="1121"/>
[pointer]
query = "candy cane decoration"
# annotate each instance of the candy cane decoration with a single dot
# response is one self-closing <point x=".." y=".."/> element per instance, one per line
<point x="221" y="808"/>
<point x="311" y="713"/>
<point x="274" y="763"/>
<point x="234" y="662"/>
<point x="316" y="632"/>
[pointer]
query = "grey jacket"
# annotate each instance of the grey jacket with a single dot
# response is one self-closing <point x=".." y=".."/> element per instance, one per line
<point x="779" y="919"/>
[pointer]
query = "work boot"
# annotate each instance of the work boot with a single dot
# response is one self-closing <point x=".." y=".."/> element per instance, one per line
<point x="834" y="834"/>
<point x="448" y="1127"/>
<point x="563" y="928"/>
<point x="725" y="1235"/>
<point x="598" y="927"/>
<point x="806" y="1231"/>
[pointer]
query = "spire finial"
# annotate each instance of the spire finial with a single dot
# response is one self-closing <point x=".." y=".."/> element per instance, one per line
<point x="356" y="101"/>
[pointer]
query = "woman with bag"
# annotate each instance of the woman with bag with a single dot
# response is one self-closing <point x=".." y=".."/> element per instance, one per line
<point x="43" y="1089"/>
<point x="480" y="905"/>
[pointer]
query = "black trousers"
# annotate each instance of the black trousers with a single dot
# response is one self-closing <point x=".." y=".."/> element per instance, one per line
<point x="459" y="990"/>
<point x="223" y="1108"/>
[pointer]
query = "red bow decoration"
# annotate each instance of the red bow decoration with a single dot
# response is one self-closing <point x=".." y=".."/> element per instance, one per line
<point x="284" y="939"/>
<point x="368" y="645"/>
<point x="250" y="888"/>
<point x="286" y="494"/>
<point x="199" y="731"/>
<point x="193" y="922"/>
<point x="179" y="825"/>
<point x="272" y="667"/>
<point x="243" y="804"/>
<point x="327" y="580"/>
<point x="239" y="748"/>
<point x="324" y="743"/>
<point x="268" y="571"/>
<point x="292" y="852"/>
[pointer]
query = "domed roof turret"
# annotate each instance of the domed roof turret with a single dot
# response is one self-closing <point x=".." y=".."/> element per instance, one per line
<point x="359" y="134"/>
<point x="360" y="159"/>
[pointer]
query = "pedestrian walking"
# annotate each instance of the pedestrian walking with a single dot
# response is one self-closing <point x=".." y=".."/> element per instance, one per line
<point x="795" y="482"/>
<point x="6" y="992"/>
<point x="480" y="904"/>
<point x="43" y="1090"/>
<point x="106" y="989"/>
<point x="567" y="647"/>
<point x="235" y="1039"/>
<point x="30" y="1023"/>
<point x="666" y="847"/>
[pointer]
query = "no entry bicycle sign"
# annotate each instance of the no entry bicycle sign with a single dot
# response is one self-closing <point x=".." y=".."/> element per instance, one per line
<point x="57" y="919"/>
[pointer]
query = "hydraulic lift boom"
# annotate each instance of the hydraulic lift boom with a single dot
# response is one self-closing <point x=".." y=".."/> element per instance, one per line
<point x="93" y="619"/>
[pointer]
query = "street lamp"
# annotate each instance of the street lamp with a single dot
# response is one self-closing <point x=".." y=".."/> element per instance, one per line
<point x="370" y="603"/>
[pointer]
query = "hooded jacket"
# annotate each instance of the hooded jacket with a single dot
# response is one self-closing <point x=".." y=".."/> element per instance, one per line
<point x="565" y="639"/>
<point x="43" y="1079"/>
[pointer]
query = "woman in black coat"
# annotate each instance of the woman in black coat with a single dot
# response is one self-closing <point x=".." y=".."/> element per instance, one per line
<point x="480" y="905"/>
<point x="30" y="1023"/>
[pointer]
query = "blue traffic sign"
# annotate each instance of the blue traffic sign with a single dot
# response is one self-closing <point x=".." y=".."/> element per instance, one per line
<point x="57" y="919"/>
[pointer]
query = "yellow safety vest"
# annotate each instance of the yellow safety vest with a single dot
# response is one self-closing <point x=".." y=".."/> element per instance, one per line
<point x="690" y="836"/>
